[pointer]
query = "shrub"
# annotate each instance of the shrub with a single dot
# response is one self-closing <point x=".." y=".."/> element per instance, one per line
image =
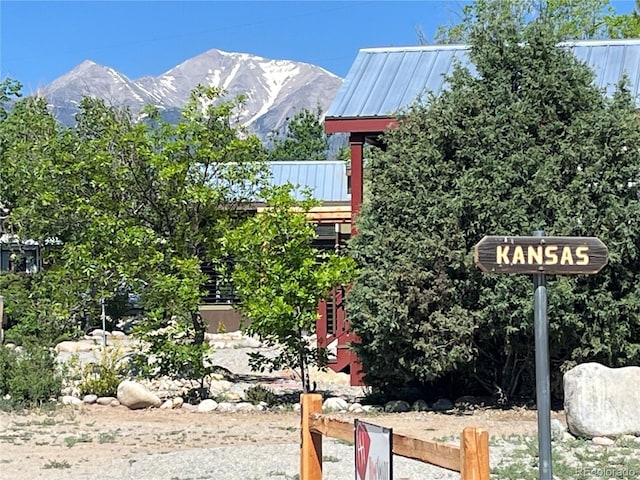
<point x="102" y="378"/>
<point x="7" y="366"/>
<point x="258" y="393"/>
<point x="33" y="376"/>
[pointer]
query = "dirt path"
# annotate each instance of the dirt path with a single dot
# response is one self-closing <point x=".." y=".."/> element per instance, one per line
<point x="30" y="444"/>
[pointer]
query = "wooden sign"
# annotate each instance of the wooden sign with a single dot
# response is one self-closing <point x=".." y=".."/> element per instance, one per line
<point x="548" y="255"/>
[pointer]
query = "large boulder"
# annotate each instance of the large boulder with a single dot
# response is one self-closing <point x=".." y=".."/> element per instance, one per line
<point x="601" y="401"/>
<point x="135" y="396"/>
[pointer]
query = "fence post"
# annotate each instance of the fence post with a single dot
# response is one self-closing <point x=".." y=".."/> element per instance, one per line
<point x="474" y="450"/>
<point x="310" y="443"/>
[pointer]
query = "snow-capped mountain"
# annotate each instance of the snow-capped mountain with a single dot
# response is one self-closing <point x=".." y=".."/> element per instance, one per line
<point x="274" y="89"/>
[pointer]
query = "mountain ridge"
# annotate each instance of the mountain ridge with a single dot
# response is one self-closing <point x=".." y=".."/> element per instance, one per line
<point x="274" y="90"/>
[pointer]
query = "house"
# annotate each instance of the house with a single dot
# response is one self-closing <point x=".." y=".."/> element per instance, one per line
<point x="384" y="81"/>
<point x="18" y="257"/>
<point x="327" y="182"/>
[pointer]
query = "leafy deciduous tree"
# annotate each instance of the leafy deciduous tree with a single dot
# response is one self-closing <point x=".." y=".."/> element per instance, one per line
<point x="280" y="278"/>
<point x="131" y="203"/>
<point x="569" y="19"/>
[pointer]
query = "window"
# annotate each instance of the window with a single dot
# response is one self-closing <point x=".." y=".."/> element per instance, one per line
<point x="330" y="236"/>
<point x="218" y="291"/>
<point x="19" y="258"/>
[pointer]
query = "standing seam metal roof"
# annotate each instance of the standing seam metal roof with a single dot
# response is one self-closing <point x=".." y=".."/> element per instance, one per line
<point x="383" y="81"/>
<point x="327" y="180"/>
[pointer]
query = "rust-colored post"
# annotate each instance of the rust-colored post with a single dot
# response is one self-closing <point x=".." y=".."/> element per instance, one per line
<point x="356" y="143"/>
<point x="1" y="316"/>
<point x="474" y="453"/>
<point x="310" y="443"/>
<point x="321" y="325"/>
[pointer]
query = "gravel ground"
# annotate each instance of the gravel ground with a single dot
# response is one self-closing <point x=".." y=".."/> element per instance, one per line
<point x="38" y="452"/>
<point x="238" y="462"/>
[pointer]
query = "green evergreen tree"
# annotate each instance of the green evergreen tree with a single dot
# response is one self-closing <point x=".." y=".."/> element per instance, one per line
<point x="302" y="138"/>
<point x="526" y="143"/>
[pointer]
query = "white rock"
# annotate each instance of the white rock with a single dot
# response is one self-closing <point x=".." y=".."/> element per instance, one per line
<point x="68" y="390"/>
<point x="105" y="400"/>
<point x="69" y="400"/>
<point x="115" y="403"/>
<point x="355" y="406"/>
<point x="167" y="405"/>
<point x="90" y="399"/>
<point x="73" y="347"/>
<point x="178" y="402"/>
<point x="226" y="407"/>
<point x="98" y="333"/>
<point x="557" y="430"/>
<point x="245" y="407"/>
<point x="250" y="343"/>
<point x="206" y="406"/>
<point x="334" y="404"/>
<point x="133" y="395"/>
<point x="323" y="377"/>
<point x="219" y="387"/>
<point x="371" y="408"/>
<point x="601" y="401"/>
<point x="603" y="441"/>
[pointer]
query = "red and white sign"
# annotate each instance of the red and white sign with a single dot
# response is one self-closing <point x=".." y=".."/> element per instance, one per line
<point x="373" y="452"/>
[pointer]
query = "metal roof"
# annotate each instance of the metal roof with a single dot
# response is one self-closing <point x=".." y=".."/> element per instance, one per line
<point x="383" y="81"/>
<point x="327" y="180"/>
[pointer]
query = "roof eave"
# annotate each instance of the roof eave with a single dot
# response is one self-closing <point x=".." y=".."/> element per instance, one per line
<point x="358" y="124"/>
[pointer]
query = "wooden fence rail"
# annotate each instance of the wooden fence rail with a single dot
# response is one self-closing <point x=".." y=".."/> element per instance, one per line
<point x="471" y="459"/>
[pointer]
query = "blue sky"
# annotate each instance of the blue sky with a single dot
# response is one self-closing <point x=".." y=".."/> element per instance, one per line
<point x="39" y="41"/>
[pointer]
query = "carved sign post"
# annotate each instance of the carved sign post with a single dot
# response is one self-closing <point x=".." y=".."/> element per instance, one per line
<point x="546" y="255"/>
<point x="540" y="255"/>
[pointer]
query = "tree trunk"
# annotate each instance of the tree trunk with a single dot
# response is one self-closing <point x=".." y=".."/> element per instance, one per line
<point x="304" y="368"/>
<point x="199" y="327"/>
